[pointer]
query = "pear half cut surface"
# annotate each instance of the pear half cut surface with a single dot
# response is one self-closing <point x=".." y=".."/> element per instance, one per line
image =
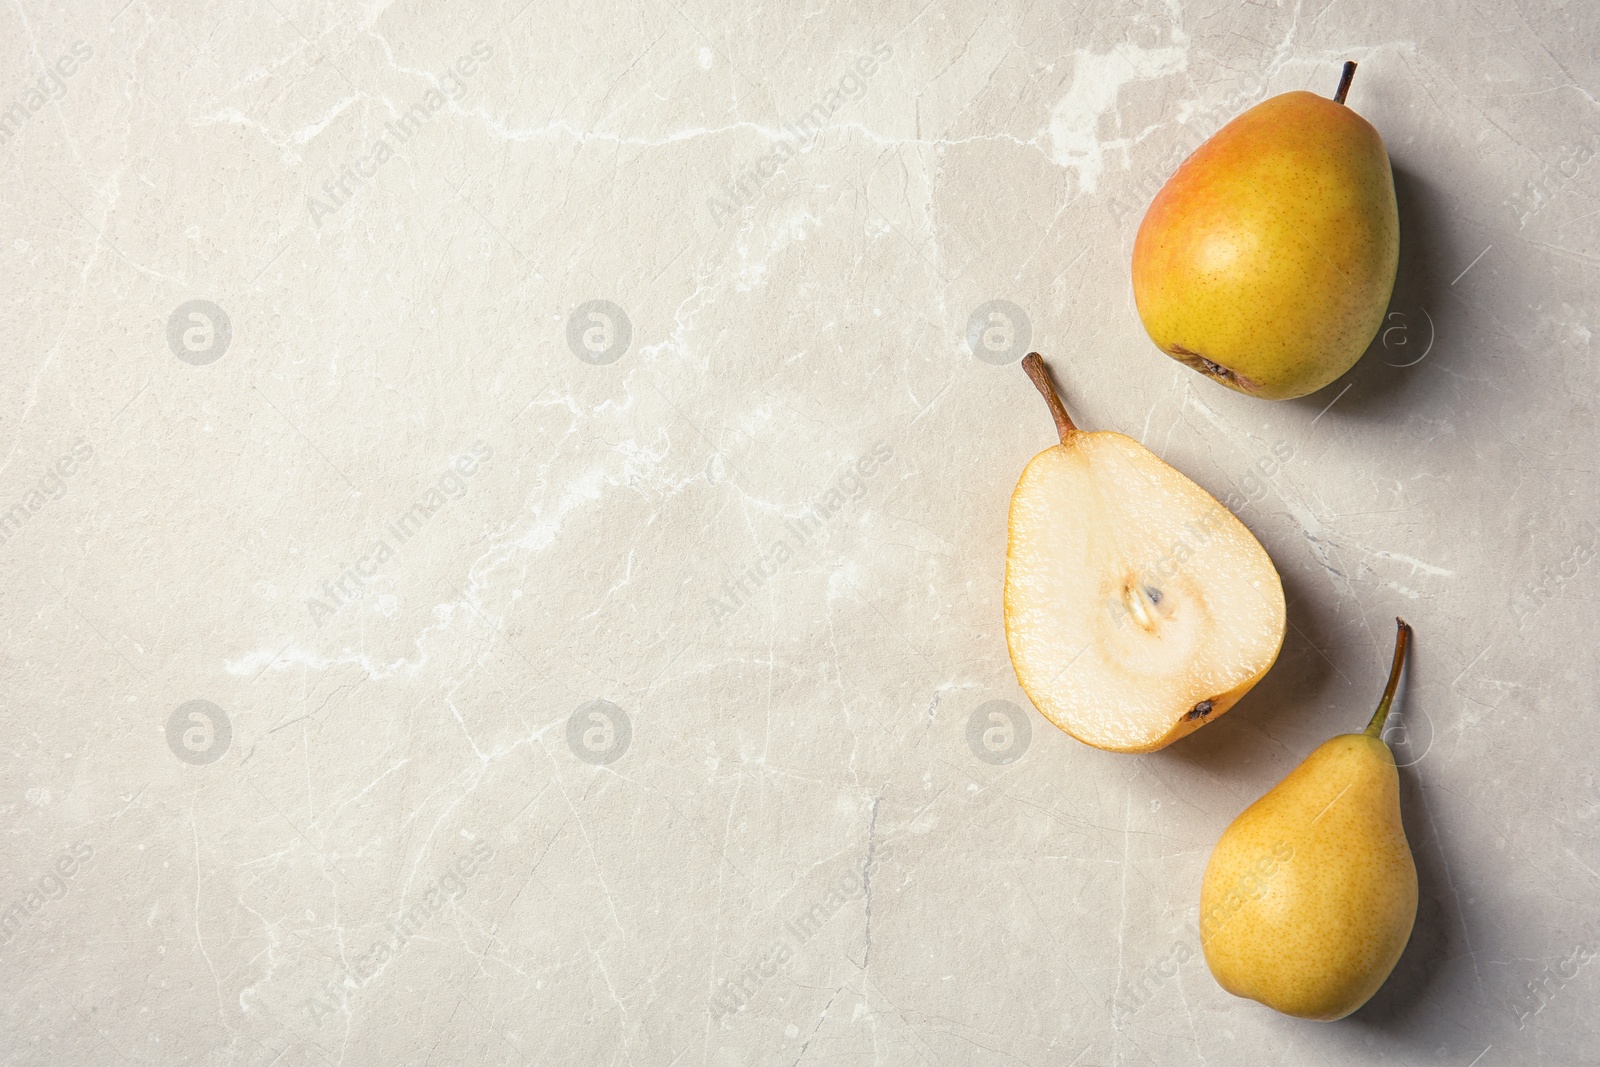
<point x="1137" y="607"/>
<point x="1310" y="895"/>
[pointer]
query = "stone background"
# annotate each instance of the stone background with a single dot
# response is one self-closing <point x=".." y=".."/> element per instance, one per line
<point x="400" y="831"/>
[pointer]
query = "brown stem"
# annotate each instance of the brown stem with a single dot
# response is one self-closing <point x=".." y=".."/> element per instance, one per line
<point x="1033" y="363"/>
<point x="1344" y="81"/>
<point x="1402" y="638"/>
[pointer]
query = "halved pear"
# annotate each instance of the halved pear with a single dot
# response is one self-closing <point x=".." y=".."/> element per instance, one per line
<point x="1138" y="608"/>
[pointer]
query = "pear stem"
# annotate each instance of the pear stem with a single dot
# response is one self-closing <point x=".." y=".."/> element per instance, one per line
<point x="1402" y="638"/>
<point x="1344" y="81"/>
<point x="1033" y="363"/>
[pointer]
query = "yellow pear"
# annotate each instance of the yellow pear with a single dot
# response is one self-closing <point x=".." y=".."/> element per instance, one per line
<point x="1137" y="607"/>
<point x="1267" y="261"/>
<point x="1309" y="896"/>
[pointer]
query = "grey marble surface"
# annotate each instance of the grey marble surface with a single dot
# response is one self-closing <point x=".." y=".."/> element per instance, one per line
<point x="310" y="415"/>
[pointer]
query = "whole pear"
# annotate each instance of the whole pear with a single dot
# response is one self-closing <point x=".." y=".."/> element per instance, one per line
<point x="1309" y="897"/>
<point x="1267" y="261"/>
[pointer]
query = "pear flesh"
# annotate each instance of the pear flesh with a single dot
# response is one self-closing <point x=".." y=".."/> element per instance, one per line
<point x="1310" y="895"/>
<point x="1268" y="260"/>
<point x="1137" y="607"/>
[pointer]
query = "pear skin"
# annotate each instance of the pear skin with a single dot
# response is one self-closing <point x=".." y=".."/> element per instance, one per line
<point x="1268" y="260"/>
<point x="1309" y="897"/>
